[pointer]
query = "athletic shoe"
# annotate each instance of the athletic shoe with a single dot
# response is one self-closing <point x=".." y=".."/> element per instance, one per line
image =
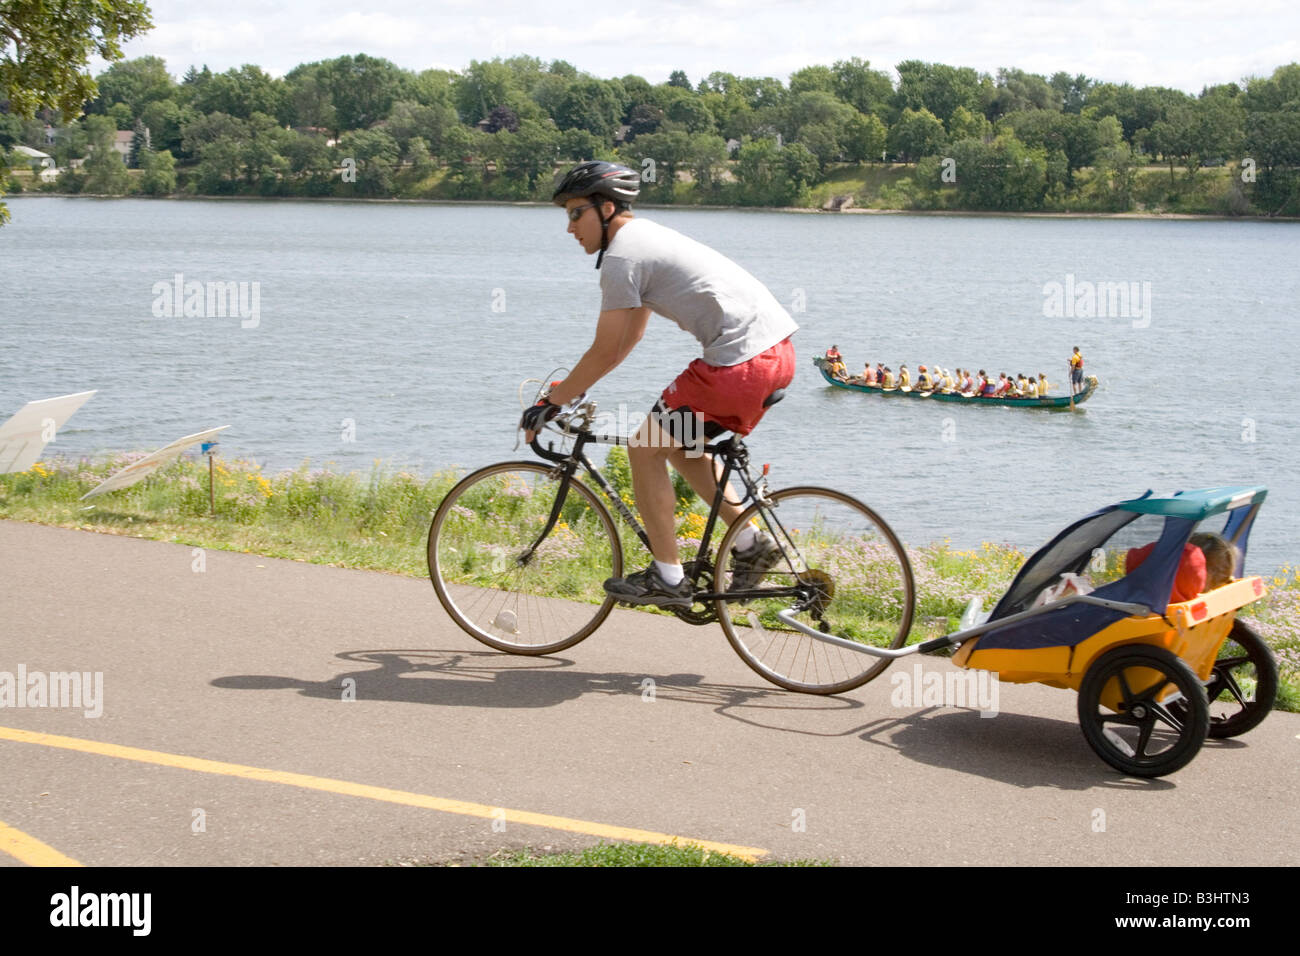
<point x="749" y="566"/>
<point x="649" y="587"/>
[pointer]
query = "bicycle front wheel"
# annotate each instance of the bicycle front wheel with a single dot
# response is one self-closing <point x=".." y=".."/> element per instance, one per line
<point x="505" y="583"/>
<point x="856" y="584"/>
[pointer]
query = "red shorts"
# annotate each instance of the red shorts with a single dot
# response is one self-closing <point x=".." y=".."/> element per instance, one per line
<point x="732" y="395"/>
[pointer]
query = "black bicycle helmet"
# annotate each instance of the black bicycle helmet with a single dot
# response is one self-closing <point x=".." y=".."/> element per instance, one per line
<point x="596" y="177"/>
<point x="609" y="181"/>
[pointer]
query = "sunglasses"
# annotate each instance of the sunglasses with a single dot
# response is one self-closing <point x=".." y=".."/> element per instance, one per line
<point x="576" y="212"/>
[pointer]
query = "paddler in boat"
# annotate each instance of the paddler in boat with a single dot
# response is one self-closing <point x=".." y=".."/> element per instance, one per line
<point x="924" y="382"/>
<point x="836" y="361"/>
<point x="904" y="377"/>
<point x="888" y="381"/>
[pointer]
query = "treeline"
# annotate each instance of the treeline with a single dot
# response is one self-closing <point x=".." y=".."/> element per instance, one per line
<point x="361" y="126"/>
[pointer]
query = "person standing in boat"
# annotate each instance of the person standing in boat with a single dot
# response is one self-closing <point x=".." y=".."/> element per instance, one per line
<point x="1076" y="372"/>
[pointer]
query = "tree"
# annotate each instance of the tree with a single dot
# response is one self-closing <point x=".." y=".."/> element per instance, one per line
<point x="502" y="117"/>
<point x="1114" y="176"/>
<point x="864" y="138"/>
<point x="1272" y="139"/>
<point x="813" y="79"/>
<point x="591" y="105"/>
<point x="678" y="78"/>
<point x="141" y="147"/>
<point x="917" y="133"/>
<point x="363" y="89"/>
<point x="165" y="120"/>
<point x="45" y="47"/>
<point x="159" y="177"/>
<point x="1017" y="90"/>
<point x="670" y="151"/>
<point x="1003" y="174"/>
<point x="483" y="85"/>
<point x="706" y="156"/>
<point x="938" y="88"/>
<point x="105" y="173"/>
<point x="375" y="153"/>
<point x="644" y="118"/>
<point x="1072" y="90"/>
<point x="527" y="156"/>
<point x="865" y="89"/>
<point x="48" y="42"/>
<point x="137" y="83"/>
<point x="770" y="175"/>
<point x="307" y="101"/>
<point x="241" y="93"/>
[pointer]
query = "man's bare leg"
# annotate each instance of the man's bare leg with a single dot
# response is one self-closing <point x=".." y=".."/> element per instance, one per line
<point x="648" y="453"/>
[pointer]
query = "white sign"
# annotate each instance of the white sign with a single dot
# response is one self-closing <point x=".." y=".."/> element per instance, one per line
<point x="146" y="466"/>
<point x="24" y="437"/>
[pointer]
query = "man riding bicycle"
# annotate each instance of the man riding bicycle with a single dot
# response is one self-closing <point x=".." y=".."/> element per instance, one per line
<point x="745" y="334"/>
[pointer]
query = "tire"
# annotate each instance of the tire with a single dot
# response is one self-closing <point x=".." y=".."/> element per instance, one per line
<point x="1236" y="707"/>
<point x="852" y="560"/>
<point x="482" y="529"/>
<point x="1142" y="735"/>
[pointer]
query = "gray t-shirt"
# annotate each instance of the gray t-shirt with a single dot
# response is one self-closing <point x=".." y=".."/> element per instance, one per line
<point x="733" y="315"/>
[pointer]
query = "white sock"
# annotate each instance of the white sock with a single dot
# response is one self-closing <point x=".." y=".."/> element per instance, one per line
<point x="745" y="538"/>
<point x="671" y="573"/>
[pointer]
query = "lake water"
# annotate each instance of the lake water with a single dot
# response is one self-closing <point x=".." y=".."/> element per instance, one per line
<point x="417" y="322"/>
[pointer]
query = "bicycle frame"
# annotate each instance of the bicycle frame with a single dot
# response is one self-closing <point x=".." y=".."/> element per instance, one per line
<point x="735" y="460"/>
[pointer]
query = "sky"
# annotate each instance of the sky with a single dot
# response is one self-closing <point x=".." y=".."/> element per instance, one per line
<point x="1185" y="44"/>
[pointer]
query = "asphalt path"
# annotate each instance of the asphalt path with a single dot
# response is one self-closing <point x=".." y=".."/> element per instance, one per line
<point x="269" y="712"/>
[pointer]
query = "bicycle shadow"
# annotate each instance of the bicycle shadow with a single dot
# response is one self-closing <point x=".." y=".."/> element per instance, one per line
<point x="457" y="678"/>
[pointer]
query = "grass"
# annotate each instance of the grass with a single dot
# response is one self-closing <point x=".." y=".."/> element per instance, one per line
<point x="380" y="522"/>
<point x="632" y="854"/>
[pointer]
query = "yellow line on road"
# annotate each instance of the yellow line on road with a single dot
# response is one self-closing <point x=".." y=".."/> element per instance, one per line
<point x="30" y="850"/>
<point x="369" y="792"/>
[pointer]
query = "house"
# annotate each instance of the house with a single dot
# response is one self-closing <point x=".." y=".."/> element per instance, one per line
<point x="122" y="143"/>
<point x="35" y="155"/>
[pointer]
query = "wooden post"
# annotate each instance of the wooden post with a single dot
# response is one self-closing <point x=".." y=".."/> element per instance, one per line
<point x="212" y="501"/>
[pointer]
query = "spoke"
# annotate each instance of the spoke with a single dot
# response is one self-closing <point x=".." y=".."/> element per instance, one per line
<point x="1144" y="738"/>
<point x="1125" y="692"/>
<point x="1150" y="693"/>
<point x="1119" y="717"/>
<point x="1231" y="686"/>
<point x="1164" y="714"/>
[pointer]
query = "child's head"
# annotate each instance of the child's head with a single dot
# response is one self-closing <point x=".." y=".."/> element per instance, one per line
<point x="1220" y="558"/>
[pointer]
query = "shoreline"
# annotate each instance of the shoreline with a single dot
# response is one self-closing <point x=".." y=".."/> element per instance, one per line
<point x="796" y="210"/>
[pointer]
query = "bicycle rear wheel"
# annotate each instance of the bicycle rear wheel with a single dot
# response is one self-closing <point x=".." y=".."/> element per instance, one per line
<point x="857" y="584"/>
<point x="501" y="584"/>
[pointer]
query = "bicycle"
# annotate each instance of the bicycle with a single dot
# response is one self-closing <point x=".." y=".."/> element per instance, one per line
<point x="518" y="552"/>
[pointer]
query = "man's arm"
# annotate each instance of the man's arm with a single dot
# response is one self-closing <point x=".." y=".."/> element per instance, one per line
<point x="617" y="333"/>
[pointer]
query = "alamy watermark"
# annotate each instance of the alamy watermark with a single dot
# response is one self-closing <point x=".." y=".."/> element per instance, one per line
<point x="208" y="300"/>
<point x="921" y="688"/>
<point x="1086" y="300"/>
<point x="76" y="689"/>
<point x="687" y="426"/>
<point x="75" y="908"/>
